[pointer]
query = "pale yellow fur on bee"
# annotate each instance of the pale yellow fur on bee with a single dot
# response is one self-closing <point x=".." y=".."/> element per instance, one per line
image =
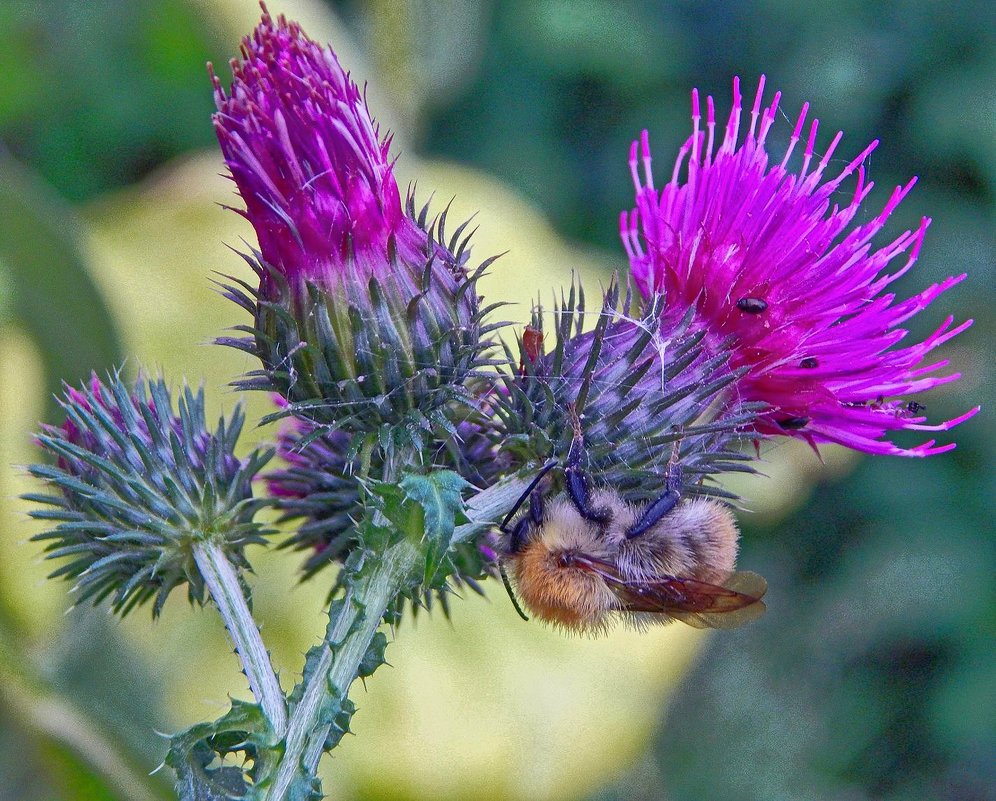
<point x="697" y="539"/>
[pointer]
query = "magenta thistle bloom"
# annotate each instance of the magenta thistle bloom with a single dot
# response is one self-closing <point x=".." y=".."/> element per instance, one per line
<point x="365" y="314"/>
<point x="766" y="256"/>
<point x="309" y="161"/>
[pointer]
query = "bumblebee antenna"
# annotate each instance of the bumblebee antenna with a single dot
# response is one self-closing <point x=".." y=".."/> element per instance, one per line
<point x="511" y="593"/>
<point x="503" y="528"/>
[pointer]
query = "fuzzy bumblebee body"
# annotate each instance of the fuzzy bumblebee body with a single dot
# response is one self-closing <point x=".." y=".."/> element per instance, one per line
<point x="580" y="573"/>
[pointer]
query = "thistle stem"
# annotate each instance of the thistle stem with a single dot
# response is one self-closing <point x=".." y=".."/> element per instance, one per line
<point x="226" y="592"/>
<point x="489" y="506"/>
<point x="349" y="633"/>
<point x="352" y="626"/>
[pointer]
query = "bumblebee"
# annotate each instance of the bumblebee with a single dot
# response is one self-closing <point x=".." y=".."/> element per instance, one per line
<point x="588" y="557"/>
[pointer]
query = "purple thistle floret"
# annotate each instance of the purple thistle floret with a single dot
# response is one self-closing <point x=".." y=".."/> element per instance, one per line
<point x="763" y="257"/>
<point x="365" y="313"/>
<point x="309" y="161"/>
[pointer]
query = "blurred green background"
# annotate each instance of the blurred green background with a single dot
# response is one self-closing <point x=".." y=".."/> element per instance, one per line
<point x="871" y="677"/>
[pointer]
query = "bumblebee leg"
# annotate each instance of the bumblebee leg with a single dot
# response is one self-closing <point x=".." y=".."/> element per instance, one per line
<point x="536" y="508"/>
<point x="654" y="513"/>
<point x="578" y="484"/>
<point x="503" y="528"/>
<point x="519" y="535"/>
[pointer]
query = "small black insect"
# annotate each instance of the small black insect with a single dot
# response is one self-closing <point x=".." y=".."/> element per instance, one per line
<point x="793" y="423"/>
<point x="809" y="363"/>
<point x="752" y="305"/>
<point x="913" y="407"/>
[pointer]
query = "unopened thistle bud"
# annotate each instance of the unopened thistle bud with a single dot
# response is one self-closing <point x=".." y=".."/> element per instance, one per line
<point x="319" y="488"/>
<point x="137" y="485"/>
<point x="769" y="261"/>
<point x="644" y="390"/>
<point x="365" y="314"/>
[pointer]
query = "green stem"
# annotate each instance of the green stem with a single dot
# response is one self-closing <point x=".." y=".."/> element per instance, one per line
<point x="352" y="626"/>
<point x="349" y="633"/>
<point x="489" y="506"/>
<point x="226" y="592"/>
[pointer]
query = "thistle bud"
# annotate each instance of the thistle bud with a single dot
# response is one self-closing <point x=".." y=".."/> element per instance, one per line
<point x="137" y="484"/>
<point x="319" y="488"/>
<point x="645" y="391"/>
<point x="365" y="314"/>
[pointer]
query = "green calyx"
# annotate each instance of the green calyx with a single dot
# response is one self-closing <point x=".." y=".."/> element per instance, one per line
<point x="388" y="354"/>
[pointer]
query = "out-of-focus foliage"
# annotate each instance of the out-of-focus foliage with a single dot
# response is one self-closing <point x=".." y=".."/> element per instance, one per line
<point x="870" y="675"/>
<point x="45" y="288"/>
<point x="94" y="95"/>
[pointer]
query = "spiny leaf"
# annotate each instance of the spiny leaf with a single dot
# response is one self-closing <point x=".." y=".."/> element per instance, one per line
<point x="336" y="713"/>
<point x="438" y="494"/>
<point x="244" y="731"/>
<point x="374" y="656"/>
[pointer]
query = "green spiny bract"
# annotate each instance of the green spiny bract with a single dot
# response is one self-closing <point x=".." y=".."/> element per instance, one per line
<point x="137" y="485"/>
<point x="387" y="356"/>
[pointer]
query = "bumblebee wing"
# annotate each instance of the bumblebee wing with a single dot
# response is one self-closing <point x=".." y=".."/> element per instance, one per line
<point x="735" y="602"/>
<point x="697" y="603"/>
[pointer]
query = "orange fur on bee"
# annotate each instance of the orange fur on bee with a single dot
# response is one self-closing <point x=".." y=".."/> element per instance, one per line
<point x="565" y="596"/>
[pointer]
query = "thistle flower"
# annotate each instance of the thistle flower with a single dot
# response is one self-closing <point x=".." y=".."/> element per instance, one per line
<point x="762" y="256"/>
<point x="318" y="486"/>
<point x="138" y="485"/>
<point x="646" y="390"/>
<point x="365" y="314"/>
